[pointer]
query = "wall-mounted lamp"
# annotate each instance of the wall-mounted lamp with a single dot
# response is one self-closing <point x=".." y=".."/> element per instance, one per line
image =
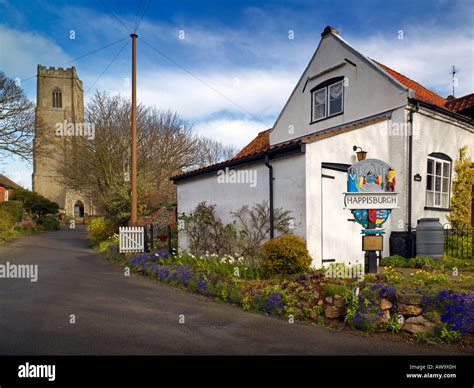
<point x="417" y="178"/>
<point x="361" y="154"/>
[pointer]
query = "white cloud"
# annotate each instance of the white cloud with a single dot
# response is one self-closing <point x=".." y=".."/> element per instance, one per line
<point x="235" y="132"/>
<point x="251" y="93"/>
<point x="23" y="51"/>
<point x="426" y="57"/>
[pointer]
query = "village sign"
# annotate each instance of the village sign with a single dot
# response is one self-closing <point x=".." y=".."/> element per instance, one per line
<point x="371" y="197"/>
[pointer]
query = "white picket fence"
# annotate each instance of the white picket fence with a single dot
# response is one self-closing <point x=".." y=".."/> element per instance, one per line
<point x="131" y="239"/>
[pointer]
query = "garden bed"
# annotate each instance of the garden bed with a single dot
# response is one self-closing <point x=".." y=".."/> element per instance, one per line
<point x="415" y="304"/>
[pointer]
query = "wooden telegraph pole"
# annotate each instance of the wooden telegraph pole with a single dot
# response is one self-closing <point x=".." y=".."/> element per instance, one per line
<point x="133" y="179"/>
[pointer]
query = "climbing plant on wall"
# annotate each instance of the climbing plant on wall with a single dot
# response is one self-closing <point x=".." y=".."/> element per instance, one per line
<point x="461" y="199"/>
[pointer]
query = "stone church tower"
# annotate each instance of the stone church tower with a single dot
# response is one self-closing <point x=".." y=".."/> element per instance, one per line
<point x="59" y="99"/>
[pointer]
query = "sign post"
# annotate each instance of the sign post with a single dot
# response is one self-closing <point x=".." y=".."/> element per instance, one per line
<point x="371" y="197"/>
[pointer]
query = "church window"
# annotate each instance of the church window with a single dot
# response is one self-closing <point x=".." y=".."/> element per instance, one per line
<point x="57" y="98"/>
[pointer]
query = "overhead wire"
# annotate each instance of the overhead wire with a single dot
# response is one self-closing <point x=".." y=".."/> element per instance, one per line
<point x="108" y="66"/>
<point x="83" y="56"/>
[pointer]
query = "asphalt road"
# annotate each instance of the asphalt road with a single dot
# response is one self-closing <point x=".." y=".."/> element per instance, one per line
<point x="119" y="315"/>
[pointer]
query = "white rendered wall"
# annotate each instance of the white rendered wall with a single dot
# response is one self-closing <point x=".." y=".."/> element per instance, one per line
<point x="338" y="149"/>
<point x="437" y="134"/>
<point x="289" y="192"/>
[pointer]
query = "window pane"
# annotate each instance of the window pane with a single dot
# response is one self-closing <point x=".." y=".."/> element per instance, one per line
<point x="429" y="182"/>
<point x="319" y="111"/>
<point x="438" y="168"/>
<point x="437" y="199"/>
<point x="335" y="106"/>
<point x="335" y="98"/>
<point x="335" y="91"/>
<point x="446" y="169"/>
<point x="319" y="104"/>
<point x="444" y="198"/>
<point x="429" y="198"/>
<point x="430" y="166"/>
<point x="437" y="183"/>
<point x="445" y="185"/>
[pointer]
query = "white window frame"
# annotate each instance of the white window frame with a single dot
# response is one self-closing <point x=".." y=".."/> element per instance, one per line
<point x="313" y="99"/>
<point x="442" y="190"/>
<point x="5" y="197"/>
<point x="328" y="101"/>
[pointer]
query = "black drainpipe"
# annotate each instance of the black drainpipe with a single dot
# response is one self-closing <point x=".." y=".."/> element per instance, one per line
<point x="270" y="182"/>
<point x="410" y="177"/>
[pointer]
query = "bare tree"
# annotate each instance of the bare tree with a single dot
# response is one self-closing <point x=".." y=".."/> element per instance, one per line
<point x="17" y="120"/>
<point x="212" y="151"/>
<point x="166" y="146"/>
<point x="100" y="165"/>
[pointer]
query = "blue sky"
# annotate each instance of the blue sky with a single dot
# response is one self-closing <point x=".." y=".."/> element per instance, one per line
<point x="241" y="49"/>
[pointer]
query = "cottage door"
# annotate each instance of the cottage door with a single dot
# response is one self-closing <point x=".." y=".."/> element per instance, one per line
<point x="340" y="234"/>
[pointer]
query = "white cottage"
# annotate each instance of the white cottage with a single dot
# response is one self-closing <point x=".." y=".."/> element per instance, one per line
<point x="344" y="99"/>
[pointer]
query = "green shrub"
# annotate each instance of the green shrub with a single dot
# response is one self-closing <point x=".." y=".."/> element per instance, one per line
<point x="285" y="254"/>
<point x="337" y="289"/>
<point x="448" y="336"/>
<point x="422" y="262"/>
<point x="393" y="325"/>
<point x="452" y="262"/>
<point x="48" y="223"/>
<point x="7" y="220"/>
<point x="15" y="208"/>
<point x="394" y="261"/>
<point x="97" y="230"/>
<point x="35" y="203"/>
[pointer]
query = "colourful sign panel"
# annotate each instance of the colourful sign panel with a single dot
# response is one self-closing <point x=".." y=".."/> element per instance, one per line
<point x="371" y="192"/>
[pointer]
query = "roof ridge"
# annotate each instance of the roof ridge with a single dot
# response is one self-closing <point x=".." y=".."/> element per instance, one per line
<point x="458" y="98"/>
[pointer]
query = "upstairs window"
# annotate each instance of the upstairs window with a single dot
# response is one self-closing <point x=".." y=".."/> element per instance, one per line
<point x="57" y="98"/>
<point x="328" y="99"/>
<point x="319" y="104"/>
<point x="335" y="98"/>
<point x="438" y="182"/>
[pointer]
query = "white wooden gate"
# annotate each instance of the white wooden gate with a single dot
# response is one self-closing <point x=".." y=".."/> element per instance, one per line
<point x="131" y="239"/>
<point x="341" y="238"/>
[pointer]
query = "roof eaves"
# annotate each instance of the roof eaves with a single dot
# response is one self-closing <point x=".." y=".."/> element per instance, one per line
<point x="249" y="159"/>
<point x="439" y="109"/>
<point x="347" y="127"/>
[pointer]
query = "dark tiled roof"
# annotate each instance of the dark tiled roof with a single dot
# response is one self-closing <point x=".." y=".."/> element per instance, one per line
<point x="461" y="103"/>
<point x="7" y="182"/>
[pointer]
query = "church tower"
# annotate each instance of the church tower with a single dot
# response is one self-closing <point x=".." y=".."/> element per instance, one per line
<point x="59" y="99"/>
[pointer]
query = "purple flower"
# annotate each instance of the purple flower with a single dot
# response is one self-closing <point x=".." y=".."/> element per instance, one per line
<point x="162" y="253"/>
<point x="456" y="309"/>
<point x="273" y="304"/>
